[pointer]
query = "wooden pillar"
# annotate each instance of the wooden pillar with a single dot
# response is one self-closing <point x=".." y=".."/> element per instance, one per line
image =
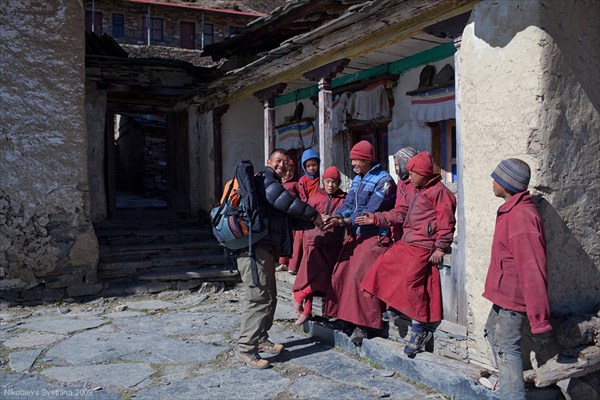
<point x="324" y="75"/>
<point x="267" y="98"/>
<point x="217" y="148"/>
<point x="459" y="261"/>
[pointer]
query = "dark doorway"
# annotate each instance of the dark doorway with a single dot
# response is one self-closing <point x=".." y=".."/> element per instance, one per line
<point x="188" y="35"/>
<point x="141" y="166"/>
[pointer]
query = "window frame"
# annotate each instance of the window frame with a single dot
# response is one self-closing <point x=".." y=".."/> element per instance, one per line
<point x="156" y="34"/>
<point x="121" y="26"/>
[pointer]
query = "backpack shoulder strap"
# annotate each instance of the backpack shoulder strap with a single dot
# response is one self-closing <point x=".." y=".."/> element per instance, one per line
<point x="223" y="202"/>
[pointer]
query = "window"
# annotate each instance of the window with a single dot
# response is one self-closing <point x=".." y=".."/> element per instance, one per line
<point x="377" y="135"/>
<point x="443" y="149"/>
<point x="97" y="22"/>
<point x="234" y="30"/>
<point x="209" y="36"/>
<point x="118" y="25"/>
<point x="156" y="29"/>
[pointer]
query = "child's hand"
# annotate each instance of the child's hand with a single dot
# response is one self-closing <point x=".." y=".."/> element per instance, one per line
<point x="437" y="257"/>
<point x="367" y="218"/>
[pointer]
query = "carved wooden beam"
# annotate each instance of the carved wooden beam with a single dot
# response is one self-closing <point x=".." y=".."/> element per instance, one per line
<point x="324" y="75"/>
<point x="327" y="71"/>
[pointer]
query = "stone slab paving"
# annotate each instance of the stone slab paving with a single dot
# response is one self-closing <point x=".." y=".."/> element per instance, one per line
<point x="122" y="375"/>
<point x="63" y="324"/>
<point x="28" y="386"/>
<point x="21" y="361"/>
<point x="176" y="346"/>
<point x="31" y="339"/>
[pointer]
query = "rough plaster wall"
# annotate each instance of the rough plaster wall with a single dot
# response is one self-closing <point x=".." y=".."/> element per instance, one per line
<point x="242" y="130"/>
<point x="201" y="160"/>
<point x="44" y="211"/>
<point x="403" y="131"/>
<point x="95" y="110"/>
<point x="522" y="96"/>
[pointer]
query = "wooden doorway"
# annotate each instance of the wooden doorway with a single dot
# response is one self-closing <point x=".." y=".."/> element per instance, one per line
<point x="146" y="165"/>
<point x="187" y="35"/>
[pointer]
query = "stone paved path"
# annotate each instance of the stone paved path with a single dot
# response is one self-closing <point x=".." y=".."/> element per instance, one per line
<point x="175" y="345"/>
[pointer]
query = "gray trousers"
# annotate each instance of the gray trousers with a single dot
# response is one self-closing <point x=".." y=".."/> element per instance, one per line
<point x="259" y="302"/>
<point x="503" y="331"/>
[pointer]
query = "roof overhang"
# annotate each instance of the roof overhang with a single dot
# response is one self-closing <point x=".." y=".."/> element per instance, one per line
<point x="368" y="34"/>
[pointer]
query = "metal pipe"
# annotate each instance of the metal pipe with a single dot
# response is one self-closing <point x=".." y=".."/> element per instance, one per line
<point x="93" y="14"/>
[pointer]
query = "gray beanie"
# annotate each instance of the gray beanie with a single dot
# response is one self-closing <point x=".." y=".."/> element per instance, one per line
<point x="402" y="156"/>
<point x="513" y="174"/>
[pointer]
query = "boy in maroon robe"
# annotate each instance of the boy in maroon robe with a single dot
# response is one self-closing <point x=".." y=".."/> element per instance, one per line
<point x="320" y="248"/>
<point x="406" y="276"/>
<point x="307" y="185"/>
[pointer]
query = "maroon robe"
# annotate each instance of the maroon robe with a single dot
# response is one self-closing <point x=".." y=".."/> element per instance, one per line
<point x="306" y="188"/>
<point x="345" y="300"/>
<point x="403" y="277"/>
<point x="405" y="280"/>
<point x="320" y="248"/>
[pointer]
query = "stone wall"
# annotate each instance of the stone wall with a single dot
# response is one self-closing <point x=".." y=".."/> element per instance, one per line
<point x="530" y="89"/>
<point x="47" y="242"/>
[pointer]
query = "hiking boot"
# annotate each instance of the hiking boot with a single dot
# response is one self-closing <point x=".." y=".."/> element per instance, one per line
<point x="253" y="360"/>
<point x="357" y="336"/>
<point x="416" y="343"/>
<point x="269" y="347"/>
<point x="389" y="316"/>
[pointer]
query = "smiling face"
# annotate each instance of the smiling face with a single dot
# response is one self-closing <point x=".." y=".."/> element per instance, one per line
<point x="279" y="162"/>
<point x="361" y="167"/>
<point x="417" y="180"/>
<point x="331" y="185"/>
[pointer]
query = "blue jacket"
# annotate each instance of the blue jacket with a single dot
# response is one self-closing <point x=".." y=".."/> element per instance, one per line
<point x="376" y="191"/>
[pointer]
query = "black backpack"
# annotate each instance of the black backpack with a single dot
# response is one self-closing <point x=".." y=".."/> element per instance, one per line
<point x="238" y="222"/>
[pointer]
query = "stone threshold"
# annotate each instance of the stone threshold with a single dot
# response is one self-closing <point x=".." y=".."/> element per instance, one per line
<point x="450" y="377"/>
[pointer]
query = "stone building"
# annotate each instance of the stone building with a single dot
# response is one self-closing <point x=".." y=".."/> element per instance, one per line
<point x="525" y="84"/>
<point x="172" y="24"/>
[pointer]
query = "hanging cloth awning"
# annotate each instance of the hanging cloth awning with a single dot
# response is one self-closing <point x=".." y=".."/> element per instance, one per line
<point x="435" y="105"/>
<point x="297" y="135"/>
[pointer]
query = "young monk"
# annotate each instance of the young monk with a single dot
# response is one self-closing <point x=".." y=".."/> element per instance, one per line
<point x="406" y="277"/>
<point x="308" y="184"/>
<point x="291" y="185"/>
<point x="372" y="189"/>
<point x="320" y="248"/>
<point x="395" y="217"/>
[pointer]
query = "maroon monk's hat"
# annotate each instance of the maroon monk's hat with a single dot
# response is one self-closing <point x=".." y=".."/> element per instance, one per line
<point x="332" y="173"/>
<point x="362" y="150"/>
<point x="421" y="164"/>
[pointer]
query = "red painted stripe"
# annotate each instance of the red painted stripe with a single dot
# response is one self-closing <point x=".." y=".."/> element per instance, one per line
<point x="432" y="101"/>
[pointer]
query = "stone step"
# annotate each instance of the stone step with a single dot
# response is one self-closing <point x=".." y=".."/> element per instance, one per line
<point x="149" y="249"/>
<point x="122" y="236"/>
<point x="184" y="275"/>
<point x="160" y="261"/>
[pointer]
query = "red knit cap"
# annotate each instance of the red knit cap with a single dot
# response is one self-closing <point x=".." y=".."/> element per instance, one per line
<point x="332" y="173"/>
<point x="362" y="150"/>
<point x="421" y="164"/>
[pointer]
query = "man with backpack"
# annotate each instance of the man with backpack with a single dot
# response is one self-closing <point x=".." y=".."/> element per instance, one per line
<point x="283" y="213"/>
